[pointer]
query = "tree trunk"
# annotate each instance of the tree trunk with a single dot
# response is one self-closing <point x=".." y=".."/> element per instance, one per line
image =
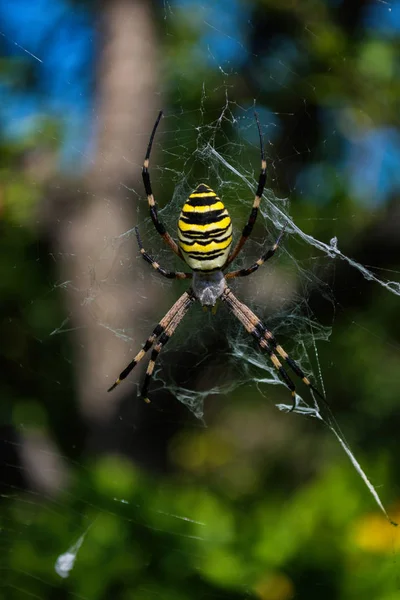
<point x="125" y="109"/>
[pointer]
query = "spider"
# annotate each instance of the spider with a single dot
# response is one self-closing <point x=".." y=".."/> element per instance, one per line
<point x="204" y="244"/>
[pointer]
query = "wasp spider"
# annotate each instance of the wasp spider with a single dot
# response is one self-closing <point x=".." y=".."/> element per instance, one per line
<point x="204" y="244"/>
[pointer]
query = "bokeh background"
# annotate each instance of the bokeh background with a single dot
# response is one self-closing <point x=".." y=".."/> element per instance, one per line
<point x="103" y="496"/>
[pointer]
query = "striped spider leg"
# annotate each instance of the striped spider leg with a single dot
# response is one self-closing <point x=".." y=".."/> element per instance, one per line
<point x="248" y="228"/>
<point x="164" y="272"/>
<point x="160" y="227"/>
<point x="163" y="331"/>
<point x="267" y="342"/>
<point x="266" y="256"/>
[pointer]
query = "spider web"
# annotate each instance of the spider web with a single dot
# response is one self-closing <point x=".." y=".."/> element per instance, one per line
<point x="236" y="187"/>
<point x="235" y="182"/>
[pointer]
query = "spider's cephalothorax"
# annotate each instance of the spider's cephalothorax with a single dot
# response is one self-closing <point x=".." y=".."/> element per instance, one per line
<point x="208" y="287"/>
<point x="205" y="239"/>
<point x="204" y="230"/>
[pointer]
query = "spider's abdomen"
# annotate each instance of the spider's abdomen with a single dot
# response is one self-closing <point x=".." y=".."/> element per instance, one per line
<point x="204" y="230"/>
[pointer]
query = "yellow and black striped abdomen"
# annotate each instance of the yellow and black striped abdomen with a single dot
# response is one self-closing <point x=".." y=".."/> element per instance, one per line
<point x="204" y="230"/>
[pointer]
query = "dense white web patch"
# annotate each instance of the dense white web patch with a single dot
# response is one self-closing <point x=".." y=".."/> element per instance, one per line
<point x="65" y="562"/>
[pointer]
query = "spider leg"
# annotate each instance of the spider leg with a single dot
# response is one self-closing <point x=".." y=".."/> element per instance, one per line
<point x="163" y="339"/>
<point x="267" y="342"/>
<point x="182" y="303"/>
<point x="150" y="197"/>
<point x="266" y="256"/>
<point x="248" y="228"/>
<point x="156" y="266"/>
<point x="269" y="336"/>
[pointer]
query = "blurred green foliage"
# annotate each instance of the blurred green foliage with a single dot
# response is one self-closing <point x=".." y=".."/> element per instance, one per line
<point x="277" y="512"/>
<point x="179" y="537"/>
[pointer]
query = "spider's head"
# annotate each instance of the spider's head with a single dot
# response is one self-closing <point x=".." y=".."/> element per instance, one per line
<point x="208" y="287"/>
